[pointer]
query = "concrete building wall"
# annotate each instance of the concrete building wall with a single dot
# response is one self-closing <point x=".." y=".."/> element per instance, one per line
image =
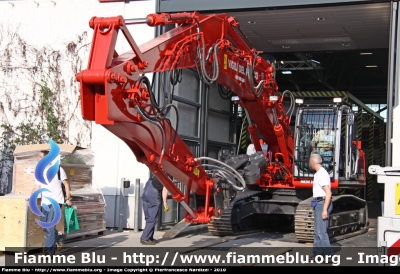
<point x="60" y="28"/>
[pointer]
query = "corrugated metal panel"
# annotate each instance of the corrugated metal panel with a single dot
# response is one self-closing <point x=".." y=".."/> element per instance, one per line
<point x="189" y="87"/>
<point x="188" y="119"/>
<point x="216" y="101"/>
<point x="218" y="127"/>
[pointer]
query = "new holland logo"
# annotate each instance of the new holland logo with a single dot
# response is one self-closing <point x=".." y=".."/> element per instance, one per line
<point x="45" y="174"/>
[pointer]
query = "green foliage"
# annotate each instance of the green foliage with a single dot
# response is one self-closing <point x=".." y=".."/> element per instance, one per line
<point x="7" y="147"/>
<point x="6" y="143"/>
<point x="31" y="131"/>
<point x="27" y="134"/>
<point x="53" y="123"/>
<point x="45" y="95"/>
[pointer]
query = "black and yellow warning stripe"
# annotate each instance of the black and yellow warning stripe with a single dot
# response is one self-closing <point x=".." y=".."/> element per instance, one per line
<point x="382" y="138"/>
<point x="243" y="133"/>
<point x="370" y="155"/>
<point x="305" y="94"/>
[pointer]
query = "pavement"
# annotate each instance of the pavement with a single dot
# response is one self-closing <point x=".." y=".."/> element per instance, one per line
<point x="270" y="239"/>
<point x="197" y="237"/>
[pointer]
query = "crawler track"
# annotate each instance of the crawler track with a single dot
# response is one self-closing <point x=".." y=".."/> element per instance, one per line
<point x="345" y="223"/>
<point x="348" y="219"/>
<point x="225" y="226"/>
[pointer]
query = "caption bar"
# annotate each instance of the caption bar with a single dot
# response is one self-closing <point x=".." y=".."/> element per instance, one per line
<point x="173" y="257"/>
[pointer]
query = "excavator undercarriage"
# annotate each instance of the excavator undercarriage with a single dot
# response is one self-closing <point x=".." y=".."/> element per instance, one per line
<point x="250" y="211"/>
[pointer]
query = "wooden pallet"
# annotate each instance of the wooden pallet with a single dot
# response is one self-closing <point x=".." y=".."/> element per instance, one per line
<point x="90" y="235"/>
<point x="30" y="250"/>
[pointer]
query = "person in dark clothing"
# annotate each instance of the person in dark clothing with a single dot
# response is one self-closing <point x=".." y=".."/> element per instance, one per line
<point x="151" y="199"/>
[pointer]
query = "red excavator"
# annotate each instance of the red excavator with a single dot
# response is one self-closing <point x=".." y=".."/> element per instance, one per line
<point x="237" y="193"/>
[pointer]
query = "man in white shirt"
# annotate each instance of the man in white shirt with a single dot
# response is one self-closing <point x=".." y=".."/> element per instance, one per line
<point x="55" y="192"/>
<point x="322" y="203"/>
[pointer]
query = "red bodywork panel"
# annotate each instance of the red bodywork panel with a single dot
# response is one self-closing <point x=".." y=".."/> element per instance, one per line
<point x="110" y="95"/>
<point x="394" y="249"/>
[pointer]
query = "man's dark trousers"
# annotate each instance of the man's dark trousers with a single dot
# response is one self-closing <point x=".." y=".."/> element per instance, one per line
<point x="151" y="199"/>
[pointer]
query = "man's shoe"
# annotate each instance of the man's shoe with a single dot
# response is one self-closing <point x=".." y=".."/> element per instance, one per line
<point x="61" y="241"/>
<point x="148" y="242"/>
<point x="154" y="241"/>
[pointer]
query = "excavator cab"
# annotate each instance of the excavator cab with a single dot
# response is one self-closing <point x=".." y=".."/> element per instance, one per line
<point x="328" y="130"/>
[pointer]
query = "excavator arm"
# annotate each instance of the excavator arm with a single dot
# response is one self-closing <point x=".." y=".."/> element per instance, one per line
<point x="116" y="94"/>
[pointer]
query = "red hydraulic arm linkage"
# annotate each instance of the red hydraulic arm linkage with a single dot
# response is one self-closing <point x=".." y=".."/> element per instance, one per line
<point x="115" y="94"/>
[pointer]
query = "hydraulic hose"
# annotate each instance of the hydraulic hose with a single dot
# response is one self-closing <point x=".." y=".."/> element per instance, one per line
<point x="292" y="103"/>
<point x="176" y="78"/>
<point x="158" y="125"/>
<point x="255" y="90"/>
<point x="225" y="165"/>
<point x="201" y="53"/>
<point x="225" y="176"/>
<point x="177" y="120"/>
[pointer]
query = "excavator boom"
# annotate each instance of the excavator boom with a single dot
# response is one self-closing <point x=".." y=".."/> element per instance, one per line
<point x="239" y="193"/>
<point x="116" y="95"/>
